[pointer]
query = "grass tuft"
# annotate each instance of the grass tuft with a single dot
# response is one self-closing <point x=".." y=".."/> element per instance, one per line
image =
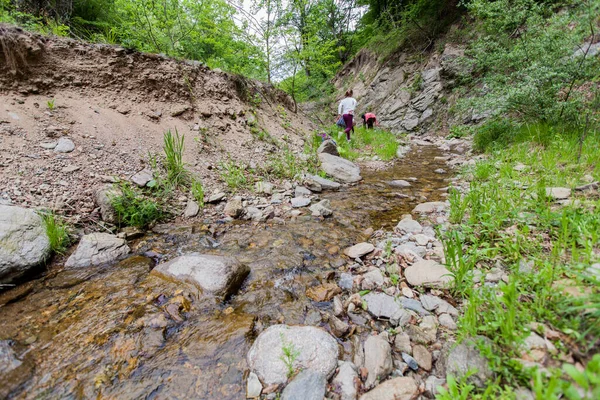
<point x="57" y="231"/>
<point x="173" y="147"/>
<point x="132" y="208"/>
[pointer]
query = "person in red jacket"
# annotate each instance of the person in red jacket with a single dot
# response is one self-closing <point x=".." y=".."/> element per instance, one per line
<point x="369" y="119"/>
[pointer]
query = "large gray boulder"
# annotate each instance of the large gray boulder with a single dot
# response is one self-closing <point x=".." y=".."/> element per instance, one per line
<point x="307" y="385"/>
<point x="98" y="249"/>
<point x="217" y="275"/>
<point x="24" y="243"/>
<point x="329" y="147"/>
<point x="310" y="348"/>
<point x="340" y="168"/>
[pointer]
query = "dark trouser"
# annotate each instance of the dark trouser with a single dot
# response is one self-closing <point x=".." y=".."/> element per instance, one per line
<point x="349" y="124"/>
<point x="370" y="123"/>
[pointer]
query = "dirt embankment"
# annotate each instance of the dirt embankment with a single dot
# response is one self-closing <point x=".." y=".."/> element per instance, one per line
<point x="115" y="104"/>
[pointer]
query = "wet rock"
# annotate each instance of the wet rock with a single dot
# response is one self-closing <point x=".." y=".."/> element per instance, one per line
<point x="191" y="209"/>
<point x="399" y="183"/>
<point x="8" y="358"/>
<point x="316" y="351"/>
<point x="97" y="249"/>
<point x="324" y="292"/>
<point x="346" y="381"/>
<point x="322" y="209"/>
<point x="440" y="306"/>
<point x="301" y="191"/>
<point x="307" y="385"/>
<point x="142" y="177"/>
<point x="324" y="183"/>
<point x="447" y="321"/>
<point x="298" y="202"/>
<point x="401" y="388"/>
<point x="234" y="207"/>
<point x="64" y="145"/>
<point x="428" y="273"/>
<point x="329" y="147"/>
<point x="402" y="343"/>
<point x="372" y="280"/>
<point x="410" y="361"/>
<point x="359" y="250"/>
<point x="381" y="305"/>
<point x="346" y="281"/>
<point x="408" y="225"/>
<point x="378" y="359"/>
<point x="422" y="356"/>
<point x="558" y="193"/>
<point x="24" y="242"/>
<point x="217" y="275"/>
<point x="253" y="386"/>
<point x="263" y="187"/>
<point x="430" y="207"/>
<point x="458" y="360"/>
<point x="340" y="168"/>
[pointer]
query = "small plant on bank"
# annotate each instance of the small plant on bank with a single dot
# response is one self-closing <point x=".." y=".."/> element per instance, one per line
<point x="289" y="356"/>
<point x="173" y="147"/>
<point x="57" y="232"/>
<point x="198" y="192"/>
<point x="132" y="208"/>
<point x="233" y="175"/>
<point x="51" y="105"/>
<point x="287" y="165"/>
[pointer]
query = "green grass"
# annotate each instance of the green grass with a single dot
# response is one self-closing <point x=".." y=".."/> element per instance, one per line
<point x="289" y="356"/>
<point x="51" y="105"/>
<point x="285" y="164"/>
<point x="234" y="174"/>
<point x="197" y="192"/>
<point x="506" y="220"/>
<point x="177" y="175"/>
<point x="366" y="143"/>
<point x="57" y="231"/>
<point x="133" y="208"/>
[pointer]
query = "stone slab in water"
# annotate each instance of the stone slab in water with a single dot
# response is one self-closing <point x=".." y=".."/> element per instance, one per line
<point x="340" y="168"/>
<point x="98" y="249"/>
<point x="316" y="350"/>
<point x="402" y="388"/>
<point x="217" y="275"/>
<point x="307" y="385"/>
<point x="400" y="183"/>
<point x="428" y="273"/>
<point x="24" y="243"/>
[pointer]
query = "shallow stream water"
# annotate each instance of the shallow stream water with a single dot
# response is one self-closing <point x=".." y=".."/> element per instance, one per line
<point x="119" y="332"/>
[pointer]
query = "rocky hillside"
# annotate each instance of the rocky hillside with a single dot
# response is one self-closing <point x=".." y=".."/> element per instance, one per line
<point x="75" y="115"/>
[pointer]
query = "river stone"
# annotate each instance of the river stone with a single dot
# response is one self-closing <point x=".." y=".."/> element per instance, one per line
<point x="263" y="187"/>
<point x="410" y="361"/>
<point x="49" y="145"/>
<point x="8" y="358"/>
<point x="381" y="305"/>
<point x="558" y="193"/>
<point x="440" y="306"/>
<point x="372" y="279"/>
<point x="234" y="207"/>
<point x="97" y="249"/>
<point x="346" y="281"/>
<point x="428" y="273"/>
<point x="24" y="243"/>
<point x="324" y="183"/>
<point x="414" y="305"/>
<point x="422" y="356"/>
<point x="399" y="183"/>
<point x="345" y="382"/>
<point x="409" y="225"/>
<point x="378" y="359"/>
<point x="104" y="197"/>
<point x="322" y="208"/>
<point x="411" y="250"/>
<point x="459" y="360"/>
<point x="316" y="350"/>
<point x="191" y="209"/>
<point x="217" y="275"/>
<point x="253" y="386"/>
<point x="301" y="191"/>
<point x="401" y="388"/>
<point x="64" y="145"/>
<point x="430" y="207"/>
<point x="359" y="250"/>
<point x="216" y="197"/>
<point x="324" y="292"/>
<point x="298" y="202"/>
<point x="340" y="168"/>
<point x="142" y="177"/>
<point x="329" y="147"/>
<point x="447" y="321"/>
<point x="402" y="343"/>
<point x="307" y="385"/>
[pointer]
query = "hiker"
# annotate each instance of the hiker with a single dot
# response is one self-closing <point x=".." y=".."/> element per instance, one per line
<point x="346" y="112"/>
<point x="369" y="119"/>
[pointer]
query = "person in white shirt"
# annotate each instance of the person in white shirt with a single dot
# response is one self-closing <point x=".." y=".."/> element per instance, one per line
<point x="346" y="111"/>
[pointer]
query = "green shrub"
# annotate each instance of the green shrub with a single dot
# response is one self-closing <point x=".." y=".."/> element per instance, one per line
<point x="132" y="208"/>
<point x="500" y="131"/>
<point x="57" y="231"/>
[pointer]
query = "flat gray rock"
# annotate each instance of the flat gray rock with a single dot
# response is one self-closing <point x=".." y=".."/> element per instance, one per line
<point x="428" y="273"/>
<point x="401" y="388"/>
<point x="49" y="145"/>
<point x="440" y="306"/>
<point x="381" y="305"/>
<point x="253" y="386"/>
<point x="414" y="305"/>
<point x="409" y="225"/>
<point x="24" y="243"/>
<point x="329" y="147"/>
<point x="324" y="183"/>
<point x="307" y="385"/>
<point x="217" y="275"/>
<point x="378" y="359"/>
<point x="322" y="208"/>
<point x="458" y="360"/>
<point x="558" y="193"/>
<point x="399" y="183"/>
<point x="315" y="350"/>
<point x="301" y="191"/>
<point x="64" y="145"/>
<point x="359" y="250"/>
<point x="142" y="177"/>
<point x="97" y="249"/>
<point x="345" y="382"/>
<point x="430" y="207"/>
<point x="298" y="202"/>
<point x="340" y="168"/>
<point x="191" y="209"/>
<point x="216" y="197"/>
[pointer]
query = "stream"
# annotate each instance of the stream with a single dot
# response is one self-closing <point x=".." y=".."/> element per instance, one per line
<point x="118" y="332"/>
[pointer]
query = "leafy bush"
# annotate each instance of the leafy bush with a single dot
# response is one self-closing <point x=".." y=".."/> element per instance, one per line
<point x="57" y="231"/>
<point x="132" y="208"/>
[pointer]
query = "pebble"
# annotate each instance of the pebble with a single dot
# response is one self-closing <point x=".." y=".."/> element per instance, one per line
<point x="411" y="362"/>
